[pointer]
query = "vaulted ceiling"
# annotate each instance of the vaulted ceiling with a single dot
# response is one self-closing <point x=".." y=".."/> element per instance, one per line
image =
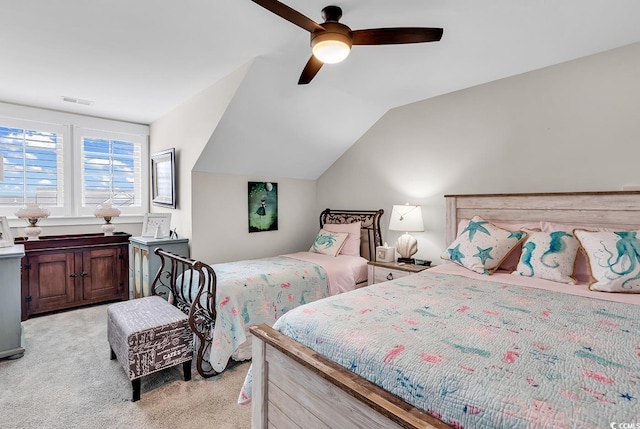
<point x="138" y="60"/>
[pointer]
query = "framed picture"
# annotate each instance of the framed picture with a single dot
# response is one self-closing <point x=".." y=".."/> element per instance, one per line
<point x="163" y="182"/>
<point x="6" y="239"/>
<point x="263" y="206"/>
<point x="156" y="225"/>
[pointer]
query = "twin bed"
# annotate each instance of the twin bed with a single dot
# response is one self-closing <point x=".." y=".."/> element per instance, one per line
<point x="455" y="347"/>
<point x="224" y="300"/>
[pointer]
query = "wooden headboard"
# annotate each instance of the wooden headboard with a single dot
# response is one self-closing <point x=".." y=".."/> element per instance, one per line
<point x="370" y="235"/>
<point x="616" y="209"/>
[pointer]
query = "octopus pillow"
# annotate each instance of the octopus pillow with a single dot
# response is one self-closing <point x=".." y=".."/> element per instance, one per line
<point x="329" y="243"/>
<point x="548" y="255"/>
<point x="482" y="246"/>
<point x="613" y="258"/>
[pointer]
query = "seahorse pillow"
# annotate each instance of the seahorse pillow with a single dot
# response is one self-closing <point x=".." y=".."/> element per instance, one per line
<point x="613" y="259"/>
<point x="329" y="243"/>
<point x="548" y="255"/>
<point x="482" y="246"/>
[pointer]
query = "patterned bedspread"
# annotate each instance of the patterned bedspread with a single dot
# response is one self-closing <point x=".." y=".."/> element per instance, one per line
<point x="259" y="291"/>
<point x="480" y="354"/>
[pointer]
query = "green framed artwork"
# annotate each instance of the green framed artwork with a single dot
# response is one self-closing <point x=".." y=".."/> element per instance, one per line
<point x="263" y="206"/>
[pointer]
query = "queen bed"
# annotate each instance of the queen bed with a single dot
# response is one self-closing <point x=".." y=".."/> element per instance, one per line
<point x="462" y="345"/>
<point x="224" y="300"/>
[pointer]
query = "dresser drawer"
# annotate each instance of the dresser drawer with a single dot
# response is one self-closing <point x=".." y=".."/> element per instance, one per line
<point x="385" y="274"/>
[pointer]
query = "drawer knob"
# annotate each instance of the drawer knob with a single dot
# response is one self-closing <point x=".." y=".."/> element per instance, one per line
<point x="390" y="276"/>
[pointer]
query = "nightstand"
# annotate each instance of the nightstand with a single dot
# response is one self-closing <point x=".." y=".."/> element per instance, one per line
<point x="144" y="264"/>
<point x="384" y="271"/>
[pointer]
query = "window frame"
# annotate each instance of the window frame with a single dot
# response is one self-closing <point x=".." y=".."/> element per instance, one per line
<point x="72" y="124"/>
<point x="63" y="132"/>
<point x="78" y="133"/>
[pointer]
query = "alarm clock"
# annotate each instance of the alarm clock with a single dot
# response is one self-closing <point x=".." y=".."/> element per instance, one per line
<point x="385" y="254"/>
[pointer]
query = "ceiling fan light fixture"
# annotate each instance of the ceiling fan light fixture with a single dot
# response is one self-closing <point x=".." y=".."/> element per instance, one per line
<point x="331" y="48"/>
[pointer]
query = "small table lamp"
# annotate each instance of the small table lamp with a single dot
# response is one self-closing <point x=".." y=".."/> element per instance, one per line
<point x="32" y="212"/>
<point x="107" y="211"/>
<point x="407" y="218"/>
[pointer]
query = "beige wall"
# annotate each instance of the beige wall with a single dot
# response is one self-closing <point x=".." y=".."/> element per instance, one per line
<point x="220" y="222"/>
<point x="212" y="208"/>
<point x="570" y="127"/>
<point x="188" y="129"/>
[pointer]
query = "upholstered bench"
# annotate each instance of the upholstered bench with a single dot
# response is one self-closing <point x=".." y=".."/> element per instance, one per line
<point x="147" y="335"/>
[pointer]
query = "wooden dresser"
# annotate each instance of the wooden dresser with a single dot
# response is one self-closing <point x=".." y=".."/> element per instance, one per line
<point x="66" y="271"/>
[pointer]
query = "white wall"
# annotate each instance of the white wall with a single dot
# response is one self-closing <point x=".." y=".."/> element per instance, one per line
<point x="188" y="129"/>
<point x="570" y="127"/>
<point x="220" y="224"/>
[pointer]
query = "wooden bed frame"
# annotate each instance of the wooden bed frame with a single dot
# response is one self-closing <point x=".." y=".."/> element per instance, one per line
<point x="293" y="386"/>
<point x="177" y="279"/>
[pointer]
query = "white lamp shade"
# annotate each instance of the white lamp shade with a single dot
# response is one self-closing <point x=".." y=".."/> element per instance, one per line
<point x="106" y="210"/>
<point x="330" y="47"/>
<point x="331" y="52"/>
<point x="407" y="218"/>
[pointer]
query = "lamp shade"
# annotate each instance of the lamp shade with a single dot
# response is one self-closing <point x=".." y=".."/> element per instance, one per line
<point x="407" y="218"/>
<point x="331" y="47"/>
<point x="106" y="210"/>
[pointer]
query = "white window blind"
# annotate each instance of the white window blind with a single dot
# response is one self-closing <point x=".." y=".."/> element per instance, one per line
<point x="111" y="170"/>
<point x="33" y="165"/>
<point x="68" y="168"/>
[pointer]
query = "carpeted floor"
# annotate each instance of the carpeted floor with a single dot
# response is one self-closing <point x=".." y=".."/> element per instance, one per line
<point x="66" y="380"/>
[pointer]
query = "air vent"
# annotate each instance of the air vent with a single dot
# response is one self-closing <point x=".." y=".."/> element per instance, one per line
<point x="77" y="101"/>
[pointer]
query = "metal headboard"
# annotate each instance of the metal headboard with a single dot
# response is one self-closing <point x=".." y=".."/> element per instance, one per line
<point x="370" y="235"/>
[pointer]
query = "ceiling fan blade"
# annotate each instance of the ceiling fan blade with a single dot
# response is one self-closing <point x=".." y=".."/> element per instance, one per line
<point x="290" y="15"/>
<point x="310" y="70"/>
<point x="394" y="36"/>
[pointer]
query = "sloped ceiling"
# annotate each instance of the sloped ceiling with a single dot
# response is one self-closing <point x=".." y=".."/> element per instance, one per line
<point x="137" y="61"/>
<point x="272" y="127"/>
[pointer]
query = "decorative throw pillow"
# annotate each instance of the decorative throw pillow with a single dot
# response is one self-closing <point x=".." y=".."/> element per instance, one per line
<point x="510" y="263"/>
<point x="482" y="246"/>
<point x="581" y="268"/>
<point x="549" y="256"/>
<point x="328" y="243"/>
<point x="614" y="259"/>
<point x="352" y="245"/>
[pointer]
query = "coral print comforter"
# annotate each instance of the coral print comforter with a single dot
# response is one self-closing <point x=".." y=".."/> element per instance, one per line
<point x="259" y="291"/>
<point x="482" y="354"/>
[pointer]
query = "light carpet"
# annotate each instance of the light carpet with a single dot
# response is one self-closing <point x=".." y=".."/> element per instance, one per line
<point x="66" y="380"/>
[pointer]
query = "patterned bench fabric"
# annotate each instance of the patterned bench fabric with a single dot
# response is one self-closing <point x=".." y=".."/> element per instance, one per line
<point x="148" y="334"/>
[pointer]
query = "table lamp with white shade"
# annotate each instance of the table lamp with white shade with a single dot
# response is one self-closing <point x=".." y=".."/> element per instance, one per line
<point x="407" y="218"/>
<point x="107" y="211"/>
<point x="32" y="213"/>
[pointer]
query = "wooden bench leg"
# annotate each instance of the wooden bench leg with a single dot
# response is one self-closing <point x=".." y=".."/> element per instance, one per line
<point x="135" y="384"/>
<point x="186" y="369"/>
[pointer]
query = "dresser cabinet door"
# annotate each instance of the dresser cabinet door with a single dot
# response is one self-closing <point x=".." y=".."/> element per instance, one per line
<point x="101" y="274"/>
<point x="51" y="283"/>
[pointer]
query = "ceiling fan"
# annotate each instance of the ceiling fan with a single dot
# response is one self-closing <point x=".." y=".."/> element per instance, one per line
<point x="331" y="41"/>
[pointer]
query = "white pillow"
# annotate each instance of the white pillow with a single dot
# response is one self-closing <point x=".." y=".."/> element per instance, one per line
<point x="548" y="255"/>
<point x="482" y="246"/>
<point x="328" y="243"/>
<point x="352" y="245"/>
<point x="613" y="258"/>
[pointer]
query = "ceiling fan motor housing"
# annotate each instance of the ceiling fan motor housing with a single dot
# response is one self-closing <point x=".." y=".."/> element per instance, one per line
<point x="336" y="38"/>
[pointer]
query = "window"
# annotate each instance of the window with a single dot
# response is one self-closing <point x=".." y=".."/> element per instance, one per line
<point x="70" y="169"/>
<point x="33" y="157"/>
<point x="111" y="170"/>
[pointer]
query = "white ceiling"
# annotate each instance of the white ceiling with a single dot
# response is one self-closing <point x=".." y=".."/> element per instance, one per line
<point x="138" y="60"/>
